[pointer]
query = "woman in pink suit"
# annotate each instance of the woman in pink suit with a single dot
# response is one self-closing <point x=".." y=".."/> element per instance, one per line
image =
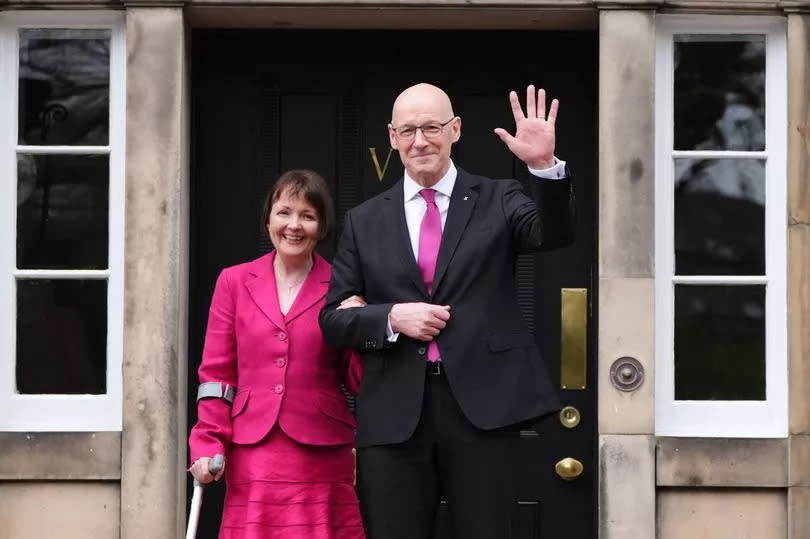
<point x="269" y="396"/>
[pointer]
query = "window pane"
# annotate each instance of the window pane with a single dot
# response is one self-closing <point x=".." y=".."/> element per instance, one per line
<point x="62" y="211"/>
<point x="719" y="217"/>
<point x="720" y="92"/>
<point x="64" y="87"/>
<point x="719" y="342"/>
<point x="61" y="336"/>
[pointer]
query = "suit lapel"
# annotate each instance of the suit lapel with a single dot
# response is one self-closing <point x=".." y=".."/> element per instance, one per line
<point x="262" y="289"/>
<point x="401" y="243"/>
<point x="462" y="203"/>
<point x="313" y="290"/>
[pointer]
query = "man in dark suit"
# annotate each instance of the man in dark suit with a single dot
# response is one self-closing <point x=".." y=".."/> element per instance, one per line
<point x="423" y="284"/>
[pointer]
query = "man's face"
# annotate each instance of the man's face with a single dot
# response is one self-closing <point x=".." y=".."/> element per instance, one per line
<point x="426" y="158"/>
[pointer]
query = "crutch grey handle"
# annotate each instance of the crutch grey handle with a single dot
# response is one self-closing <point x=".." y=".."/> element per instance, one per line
<point x="214" y="466"/>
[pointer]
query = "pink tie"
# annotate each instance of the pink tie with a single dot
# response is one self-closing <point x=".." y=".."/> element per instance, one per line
<point x="430" y="237"/>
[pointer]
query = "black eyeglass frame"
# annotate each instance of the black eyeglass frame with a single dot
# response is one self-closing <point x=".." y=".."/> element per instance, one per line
<point x="398" y="130"/>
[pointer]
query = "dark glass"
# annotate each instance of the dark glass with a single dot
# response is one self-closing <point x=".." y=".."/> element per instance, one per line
<point x="720" y="92"/>
<point x="62" y="211"/>
<point x="719" y="217"/>
<point x="64" y="95"/>
<point x="61" y="336"/>
<point x="719" y="342"/>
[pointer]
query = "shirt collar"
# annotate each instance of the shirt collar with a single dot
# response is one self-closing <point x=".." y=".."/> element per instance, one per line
<point x="443" y="186"/>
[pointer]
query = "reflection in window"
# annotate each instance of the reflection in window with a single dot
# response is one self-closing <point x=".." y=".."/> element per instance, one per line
<point x="62" y="211"/>
<point x="720" y="92"/>
<point x="719" y="217"/>
<point x="61" y="336"/>
<point x="719" y="342"/>
<point x="64" y="87"/>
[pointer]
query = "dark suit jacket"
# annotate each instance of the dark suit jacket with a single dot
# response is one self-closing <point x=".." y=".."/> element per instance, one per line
<point x="489" y="356"/>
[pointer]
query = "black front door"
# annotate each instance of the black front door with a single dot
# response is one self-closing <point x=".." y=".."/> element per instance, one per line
<point x="265" y="102"/>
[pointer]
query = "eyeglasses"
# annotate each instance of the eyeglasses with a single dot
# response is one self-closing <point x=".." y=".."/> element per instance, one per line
<point x="429" y="130"/>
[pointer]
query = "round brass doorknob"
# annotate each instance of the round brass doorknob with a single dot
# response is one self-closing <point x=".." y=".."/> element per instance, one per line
<point x="569" y="468"/>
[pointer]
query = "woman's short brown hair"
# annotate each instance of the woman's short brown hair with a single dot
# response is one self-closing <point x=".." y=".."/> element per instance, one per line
<point x="310" y="185"/>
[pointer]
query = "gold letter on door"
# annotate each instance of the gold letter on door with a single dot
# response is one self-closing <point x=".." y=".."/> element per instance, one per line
<point x="380" y="172"/>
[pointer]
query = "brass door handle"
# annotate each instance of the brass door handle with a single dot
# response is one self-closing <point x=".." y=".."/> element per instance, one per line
<point x="569" y="468"/>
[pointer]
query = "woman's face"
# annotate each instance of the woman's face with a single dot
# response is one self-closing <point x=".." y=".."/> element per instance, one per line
<point x="293" y="225"/>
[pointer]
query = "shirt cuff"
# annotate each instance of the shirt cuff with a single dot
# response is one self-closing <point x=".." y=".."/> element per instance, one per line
<point x="554" y="172"/>
<point x="390" y="335"/>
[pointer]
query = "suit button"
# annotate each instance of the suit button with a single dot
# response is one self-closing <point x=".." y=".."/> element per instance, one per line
<point x="282" y="336"/>
<point x="422" y="350"/>
<point x="279" y="389"/>
<point x="280" y="362"/>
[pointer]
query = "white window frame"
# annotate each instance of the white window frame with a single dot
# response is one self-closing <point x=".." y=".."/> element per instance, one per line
<point x="726" y="419"/>
<point x="61" y="413"/>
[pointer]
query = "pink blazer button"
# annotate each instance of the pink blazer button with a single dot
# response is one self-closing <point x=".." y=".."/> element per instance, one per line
<point x="280" y="362"/>
<point x="282" y="336"/>
<point x="279" y="389"/>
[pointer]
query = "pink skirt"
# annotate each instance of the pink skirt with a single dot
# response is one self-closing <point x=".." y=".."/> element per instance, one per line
<point x="281" y="489"/>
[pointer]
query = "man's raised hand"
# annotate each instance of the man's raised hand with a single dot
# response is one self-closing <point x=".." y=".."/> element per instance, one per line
<point x="534" y="138"/>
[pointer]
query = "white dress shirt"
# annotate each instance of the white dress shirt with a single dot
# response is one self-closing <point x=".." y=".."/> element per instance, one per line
<point x="415" y="206"/>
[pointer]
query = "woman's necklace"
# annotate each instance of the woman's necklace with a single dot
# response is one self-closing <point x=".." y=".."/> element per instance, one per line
<point x="292" y="285"/>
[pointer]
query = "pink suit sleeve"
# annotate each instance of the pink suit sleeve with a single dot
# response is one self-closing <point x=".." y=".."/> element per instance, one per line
<point x="211" y="434"/>
<point x="353" y="369"/>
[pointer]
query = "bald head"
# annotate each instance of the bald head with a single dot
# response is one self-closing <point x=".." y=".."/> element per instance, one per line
<point x="422" y="98"/>
<point x="426" y="158"/>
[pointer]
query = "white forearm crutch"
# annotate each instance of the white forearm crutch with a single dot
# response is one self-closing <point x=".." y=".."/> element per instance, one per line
<point x="214" y="466"/>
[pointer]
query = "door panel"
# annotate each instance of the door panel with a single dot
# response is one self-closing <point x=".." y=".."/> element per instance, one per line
<point x="267" y="101"/>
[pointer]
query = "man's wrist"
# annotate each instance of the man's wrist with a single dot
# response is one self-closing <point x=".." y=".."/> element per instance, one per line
<point x="392" y="318"/>
<point x="542" y="164"/>
<point x="391" y="334"/>
<point x="555" y="172"/>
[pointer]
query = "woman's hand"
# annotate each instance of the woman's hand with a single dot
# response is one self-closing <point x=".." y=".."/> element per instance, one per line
<point x="352" y="301"/>
<point x="200" y="471"/>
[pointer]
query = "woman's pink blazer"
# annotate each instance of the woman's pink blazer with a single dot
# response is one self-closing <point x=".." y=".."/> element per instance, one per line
<point x="283" y="371"/>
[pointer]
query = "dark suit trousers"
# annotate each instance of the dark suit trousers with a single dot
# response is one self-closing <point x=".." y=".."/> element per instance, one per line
<point x="400" y="485"/>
